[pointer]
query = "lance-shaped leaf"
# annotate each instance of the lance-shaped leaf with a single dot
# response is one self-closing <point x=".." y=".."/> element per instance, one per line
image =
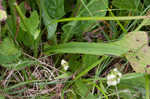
<point x="134" y="46"/>
<point x="118" y="48"/>
<point x="88" y="48"/>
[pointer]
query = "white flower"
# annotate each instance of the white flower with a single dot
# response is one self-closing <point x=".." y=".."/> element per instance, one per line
<point x="64" y="64"/>
<point x="113" y="78"/>
<point x="3" y="15"/>
<point x="118" y="80"/>
<point x="112" y="83"/>
<point x="66" y="67"/>
<point x="115" y="70"/>
<point x="109" y="77"/>
<point x="119" y="74"/>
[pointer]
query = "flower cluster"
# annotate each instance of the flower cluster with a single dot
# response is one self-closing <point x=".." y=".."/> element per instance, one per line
<point x="3" y="15"/>
<point x="64" y="64"/>
<point x="113" y="78"/>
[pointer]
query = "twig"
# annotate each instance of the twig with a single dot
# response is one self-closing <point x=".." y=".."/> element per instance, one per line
<point x="1" y="7"/>
<point x="117" y="92"/>
<point x="42" y="63"/>
<point x="9" y="75"/>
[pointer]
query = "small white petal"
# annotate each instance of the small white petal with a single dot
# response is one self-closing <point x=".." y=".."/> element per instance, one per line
<point x="114" y="77"/>
<point x="118" y="81"/>
<point x="112" y="83"/>
<point x="108" y="83"/>
<point x="119" y="74"/>
<point x="109" y="77"/>
<point x="66" y="67"/>
<point x="3" y="15"/>
<point x="63" y="62"/>
<point x="115" y="69"/>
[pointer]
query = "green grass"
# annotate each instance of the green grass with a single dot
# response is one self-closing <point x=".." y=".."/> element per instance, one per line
<point x="92" y="36"/>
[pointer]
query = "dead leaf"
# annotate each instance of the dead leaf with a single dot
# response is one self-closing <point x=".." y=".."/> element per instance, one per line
<point x="134" y="40"/>
<point x="139" y="58"/>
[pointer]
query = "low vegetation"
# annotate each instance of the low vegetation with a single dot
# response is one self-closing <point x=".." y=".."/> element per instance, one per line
<point x="74" y="49"/>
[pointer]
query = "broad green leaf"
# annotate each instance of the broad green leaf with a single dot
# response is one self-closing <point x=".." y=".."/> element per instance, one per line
<point x="2" y="97"/>
<point x="55" y="8"/>
<point x="134" y="83"/>
<point x="32" y="25"/>
<point x="146" y="3"/>
<point x="51" y="10"/>
<point x="88" y="60"/>
<point x="8" y="51"/>
<point x="48" y="21"/>
<point x="96" y="8"/>
<point x="51" y="28"/>
<point x="74" y="63"/>
<point x="81" y="88"/>
<point x="133" y="80"/>
<point x="68" y="5"/>
<point x="126" y="4"/>
<point x="29" y="32"/>
<point x="19" y="64"/>
<point x="26" y="38"/>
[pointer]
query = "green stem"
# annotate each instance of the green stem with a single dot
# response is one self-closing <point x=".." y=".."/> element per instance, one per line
<point x="102" y="18"/>
<point x="117" y="92"/>
<point x="101" y="90"/>
<point x="90" y="67"/>
<point x="141" y="25"/>
<point x="86" y="8"/>
<point x="91" y="14"/>
<point x="21" y="16"/>
<point x="147" y="86"/>
<point x="118" y="22"/>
